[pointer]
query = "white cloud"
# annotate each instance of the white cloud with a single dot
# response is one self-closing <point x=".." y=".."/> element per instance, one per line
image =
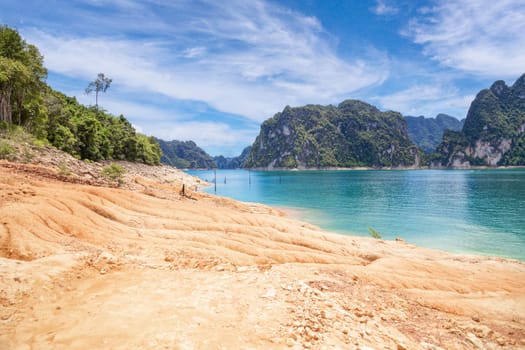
<point x="193" y="52"/>
<point x="482" y="37"/>
<point x="383" y="8"/>
<point x="427" y="100"/>
<point x="245" y="58"/>
<point x="215" y="137"/>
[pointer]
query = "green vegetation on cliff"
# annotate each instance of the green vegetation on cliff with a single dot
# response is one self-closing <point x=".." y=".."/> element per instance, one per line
<point x="427" y="133"/>
<point x="85" y="132"/>
<point x="352" y="134"/>
<point x="493" y="133"/>
<point x="185" y="155"/>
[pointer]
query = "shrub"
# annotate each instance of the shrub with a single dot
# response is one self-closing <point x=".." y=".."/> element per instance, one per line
<point x="63" y="169"/>
<point x="114" y="172"/>
<point x="6" y="151"/>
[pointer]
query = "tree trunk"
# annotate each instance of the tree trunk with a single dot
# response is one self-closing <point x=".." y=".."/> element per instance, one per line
<point x="5" y="106"/>
<point x="19" y="101"/>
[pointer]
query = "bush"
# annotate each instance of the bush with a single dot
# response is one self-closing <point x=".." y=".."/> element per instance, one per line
<point x="114" y="172"/>
<point x="6" y="151"/>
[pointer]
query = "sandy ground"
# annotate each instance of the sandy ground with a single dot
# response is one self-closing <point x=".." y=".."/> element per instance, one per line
<point x="142" y="267"/>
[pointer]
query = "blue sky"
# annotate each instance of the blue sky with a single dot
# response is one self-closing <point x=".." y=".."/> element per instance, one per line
<point x="212" y="71"/>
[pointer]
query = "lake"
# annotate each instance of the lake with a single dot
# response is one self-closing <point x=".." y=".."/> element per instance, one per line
<point x="461" y="211"/>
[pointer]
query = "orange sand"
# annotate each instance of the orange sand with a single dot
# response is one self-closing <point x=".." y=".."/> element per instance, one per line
<point x="86" y="267"/>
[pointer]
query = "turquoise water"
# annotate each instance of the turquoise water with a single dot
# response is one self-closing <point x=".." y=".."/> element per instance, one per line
<point x="463" y="211"/>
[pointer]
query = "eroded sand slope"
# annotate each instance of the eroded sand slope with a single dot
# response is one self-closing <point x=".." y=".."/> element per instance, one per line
<point x="86" y="267"/>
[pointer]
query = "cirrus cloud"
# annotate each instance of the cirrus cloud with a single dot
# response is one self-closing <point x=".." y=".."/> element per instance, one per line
<point x="244" y="58"/>
<point x="481" y="37"/>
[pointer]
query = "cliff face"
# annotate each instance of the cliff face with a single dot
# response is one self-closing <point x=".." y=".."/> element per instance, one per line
<point x="427" y="133"/>
<point x="350" y="135"/>
<point x="493" y="133"/>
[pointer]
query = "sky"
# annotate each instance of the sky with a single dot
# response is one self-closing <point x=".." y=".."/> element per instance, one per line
<point x="212" y="71"/>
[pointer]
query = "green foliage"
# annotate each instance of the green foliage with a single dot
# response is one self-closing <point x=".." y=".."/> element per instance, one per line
<point x="496" y="115"/>
<point x="101" y="84"/>
<point x="350" y="135"/>
<point x="22" y="76"/>
<point x="185" y="155"/>
<point x="114" y="172"/>
<point x="52" y="117"/>
<point x="516" y="156"/>
<point x="374" y="234"/>
<point x="6" y="151"/>
<point x="427" y="133"/>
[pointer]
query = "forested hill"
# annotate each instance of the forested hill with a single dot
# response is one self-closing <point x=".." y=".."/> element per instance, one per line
<point x="427" y="133"/>
<point x="352" y="134"/>
<point x="185" y="155"/>
<point x="86" y="132"/>
<point x="494" y="131"/>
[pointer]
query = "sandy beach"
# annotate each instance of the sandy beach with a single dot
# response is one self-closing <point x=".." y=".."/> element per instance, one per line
<point x="87" y="266"/>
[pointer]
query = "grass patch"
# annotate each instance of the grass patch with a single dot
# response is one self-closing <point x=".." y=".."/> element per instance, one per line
<point x="374" y="234"/>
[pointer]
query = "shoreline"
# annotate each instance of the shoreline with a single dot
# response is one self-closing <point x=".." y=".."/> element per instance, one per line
<point x="314" y="215"/>
<point x="263" y="169"/>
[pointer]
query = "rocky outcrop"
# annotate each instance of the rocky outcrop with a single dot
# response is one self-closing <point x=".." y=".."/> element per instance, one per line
<point x="353" y="134"/>
<point x="493" y="133"/>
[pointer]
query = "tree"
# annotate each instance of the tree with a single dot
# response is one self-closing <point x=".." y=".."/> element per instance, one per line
<point x="13" y="75"/>
<point x="101" y="84"/>
<point x="21" y="77"/>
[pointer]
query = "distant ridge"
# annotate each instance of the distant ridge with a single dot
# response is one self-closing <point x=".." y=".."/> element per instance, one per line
<point x="427" y="133"/>
<point x="185" y="155"/>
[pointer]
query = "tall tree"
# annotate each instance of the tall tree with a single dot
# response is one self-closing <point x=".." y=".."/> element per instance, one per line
<point x="21" y="74"/>
<point x="101" y="84"/>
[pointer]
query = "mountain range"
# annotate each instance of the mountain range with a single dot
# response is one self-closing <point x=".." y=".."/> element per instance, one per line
<point x="357" y="134"/>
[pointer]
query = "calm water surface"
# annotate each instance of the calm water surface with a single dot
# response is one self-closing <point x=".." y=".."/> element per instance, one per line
<point x="472" y="211"/>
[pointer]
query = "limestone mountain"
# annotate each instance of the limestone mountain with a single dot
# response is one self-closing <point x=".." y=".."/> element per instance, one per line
<point x="352" y="134"/>
<point x="233" y="162"/>
<point x="494" y="130"/>
<point x="185" y="155"/>
<point x="427" y="133"/>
